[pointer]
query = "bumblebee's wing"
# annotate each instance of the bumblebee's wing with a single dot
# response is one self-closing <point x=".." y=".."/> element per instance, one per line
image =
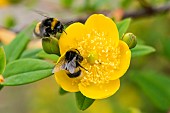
<point x="71" y="66"/>
<point x="61" y="64"/>
<point x="41" y="13"/>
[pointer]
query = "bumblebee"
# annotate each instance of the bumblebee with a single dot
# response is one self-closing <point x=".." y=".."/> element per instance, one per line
<point x="70" y="62"/>
<point x="48" y="27"/>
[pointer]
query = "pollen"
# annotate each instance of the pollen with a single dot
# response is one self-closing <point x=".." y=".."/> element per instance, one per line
<point x="101" y="57"/>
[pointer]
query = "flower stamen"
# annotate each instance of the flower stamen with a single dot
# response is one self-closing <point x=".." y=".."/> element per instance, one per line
<point x="97" y="63"/>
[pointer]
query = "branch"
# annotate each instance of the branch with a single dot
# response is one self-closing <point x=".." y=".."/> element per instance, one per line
<point x="145" y="12"/>
<point x="132" y="14"/>
<point x="145" y="4"/>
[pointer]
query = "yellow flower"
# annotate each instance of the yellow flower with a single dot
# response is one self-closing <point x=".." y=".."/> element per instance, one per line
<point x="105" y="57"/>
<point x="4" y="3"/>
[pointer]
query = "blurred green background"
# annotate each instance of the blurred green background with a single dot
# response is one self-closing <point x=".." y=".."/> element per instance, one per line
<point x="145" y="88"/>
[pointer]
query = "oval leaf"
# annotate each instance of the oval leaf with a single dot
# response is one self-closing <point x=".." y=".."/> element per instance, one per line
<point x="30" y="53"/>
<point x="141" y="50"/>
<point x="17" y="46"/>
<point x="25" y="71"/>
<point x="83" y="102"/>
<point x="2" y="60"/>
<point x="155" y="86"/>
<point x="44" y="55"/>
<point x="123" y="26"/>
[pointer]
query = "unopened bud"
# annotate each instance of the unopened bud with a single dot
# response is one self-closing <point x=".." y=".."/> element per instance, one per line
<point x="130" y="40"/>
<point x="50" y="45"/>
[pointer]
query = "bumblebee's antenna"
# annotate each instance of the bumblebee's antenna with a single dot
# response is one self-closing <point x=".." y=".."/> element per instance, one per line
<point x="41" y="13"/>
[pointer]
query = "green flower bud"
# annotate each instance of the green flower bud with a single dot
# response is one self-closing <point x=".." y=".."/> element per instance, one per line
<point x="130" y="40"/>
<point x="50" y="45"/>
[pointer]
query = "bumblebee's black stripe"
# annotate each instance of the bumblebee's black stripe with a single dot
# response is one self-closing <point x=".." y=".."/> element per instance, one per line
<point x="58" y="23"/>
<point x="47" y="22"/>
<point x="73" y="75"/>
<point x="59" y="27"/>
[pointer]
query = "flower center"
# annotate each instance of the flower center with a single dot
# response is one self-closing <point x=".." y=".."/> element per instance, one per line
<point x="92" y="57"/>
<point x="101" y="57"/>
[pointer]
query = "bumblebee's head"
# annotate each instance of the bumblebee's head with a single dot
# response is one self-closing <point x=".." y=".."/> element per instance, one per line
<point x="46" y="27"/>
<point x="73" y="53"/>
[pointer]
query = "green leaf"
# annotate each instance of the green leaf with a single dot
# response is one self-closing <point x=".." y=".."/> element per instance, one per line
<point x="141" y="50"/>
<point x="1" y="44"/>
<point x="1" y="86"/>
<point x="126" y="3"/>
<point x="31" y="53"/>
<point x="83" y="102"/>
<point x="99" y="3"/>
<point x="62" y="91"/>
<point x="9" y="21"/>
<point x="156" y="87"/>
<point x="2" y="60"/>
<point x="67" y="3"/>
<point x="25" y="71"/>
<point x="44" y="55"/>
<point x="17" y="46"/>
<point x="166" y="46"/>
<point x="123" y="26"/>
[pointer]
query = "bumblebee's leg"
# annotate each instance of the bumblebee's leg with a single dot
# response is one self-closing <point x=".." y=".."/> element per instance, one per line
<point x="82" y="67"/>
<point x="65" y="32"/>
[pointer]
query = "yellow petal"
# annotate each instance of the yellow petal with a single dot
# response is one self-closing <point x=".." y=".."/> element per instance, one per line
<point x="102" y="24"/>
<point x="74" y="33"/>
<point x="100" y="91"/>
<point x="68" y="84"/>
<point x="125" y="56"/>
